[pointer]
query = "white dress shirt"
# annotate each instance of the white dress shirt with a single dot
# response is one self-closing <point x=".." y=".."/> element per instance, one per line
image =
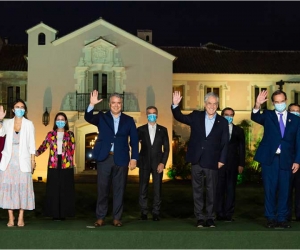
<point x="152" y="131"/>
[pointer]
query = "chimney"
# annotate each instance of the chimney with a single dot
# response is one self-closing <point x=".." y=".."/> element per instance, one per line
<point x="6" y="40"/>
<point x="145" y="35"/>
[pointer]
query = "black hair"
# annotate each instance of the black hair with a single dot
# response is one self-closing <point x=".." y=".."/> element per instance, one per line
<point x="25" y="107"/>
<point x="227" y="108"/>
<point x="66" y="127"/>
<point x="278" y="92"/>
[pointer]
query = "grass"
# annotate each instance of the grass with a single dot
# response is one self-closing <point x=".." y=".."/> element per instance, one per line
<point x="177" y="201"/>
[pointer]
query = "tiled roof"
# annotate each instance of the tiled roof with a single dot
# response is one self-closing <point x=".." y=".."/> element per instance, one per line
<point x="12" y="57"/>
<point x="212" y="58"/>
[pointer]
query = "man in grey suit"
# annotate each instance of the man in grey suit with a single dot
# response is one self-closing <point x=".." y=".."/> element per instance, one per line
<point x="153" y="157"/>
<point x="207" y="152"/>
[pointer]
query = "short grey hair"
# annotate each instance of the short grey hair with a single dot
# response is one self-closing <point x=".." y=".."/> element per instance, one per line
<point x="209" y="95"/>
<point x="115" y="94"/>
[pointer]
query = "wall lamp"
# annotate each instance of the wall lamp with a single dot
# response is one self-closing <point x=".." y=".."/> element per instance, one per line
<point x="46" y="117"/>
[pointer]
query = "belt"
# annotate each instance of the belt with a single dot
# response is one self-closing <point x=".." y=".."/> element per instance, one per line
<point x="111" y="153"/>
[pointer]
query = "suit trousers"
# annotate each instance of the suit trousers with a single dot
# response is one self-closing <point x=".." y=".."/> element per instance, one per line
<point x="198" y="175"/>
<point x="144" y="176"/>
<point x="225" y="198"/>
<point x="295" y="185"/>
<point x="109" y="174"/>
<point x="276" y="183"/>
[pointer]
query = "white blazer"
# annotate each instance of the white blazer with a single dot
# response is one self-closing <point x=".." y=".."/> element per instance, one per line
<point x="26" y="146"/>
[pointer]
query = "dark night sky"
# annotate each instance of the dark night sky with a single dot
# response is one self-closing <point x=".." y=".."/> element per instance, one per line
<point x="238" y="25"/>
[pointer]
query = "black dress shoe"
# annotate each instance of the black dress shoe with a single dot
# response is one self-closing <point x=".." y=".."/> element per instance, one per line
<point x="219" y="218"/>
<point x="155" y="217"/>
<point x="297" y="218"/>
<point x="210" y="223"/>
<point x="144" y="217"/>
<point x="58" y="218"/>
<point x="200" y="223"/>
<point x="271" y="223"/>
<point x="284" y="224"/>
<point x="229" y="219"/>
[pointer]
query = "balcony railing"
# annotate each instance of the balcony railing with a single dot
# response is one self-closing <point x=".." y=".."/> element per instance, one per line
<point x="80" y="101"/>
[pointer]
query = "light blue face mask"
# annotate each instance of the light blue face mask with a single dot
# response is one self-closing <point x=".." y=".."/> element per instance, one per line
<point x="229" y="119"/>
<point x="152" y="117"/>
<point x="19" y="112"/>
<point x="280" y="107"/>
<point x="60" y="124"/>
<point x="295" y="113"/>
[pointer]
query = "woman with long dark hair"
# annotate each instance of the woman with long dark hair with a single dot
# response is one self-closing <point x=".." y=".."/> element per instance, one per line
<point x="60" y="191"/>
<point x="17" y="163"/>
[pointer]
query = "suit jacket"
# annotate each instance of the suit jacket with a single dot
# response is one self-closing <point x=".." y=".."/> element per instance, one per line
<point x="205" y="150"/>
<point x="236" y="148"/>
<point x="26" y="145"/>
<point x="290" y="143"/>
<point x="107" y="137"/>
<point x="68" y="149"/>
<point x="152" y="155"/>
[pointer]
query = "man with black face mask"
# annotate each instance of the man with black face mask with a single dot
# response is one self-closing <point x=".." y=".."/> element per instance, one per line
<point x="279" y="155"/>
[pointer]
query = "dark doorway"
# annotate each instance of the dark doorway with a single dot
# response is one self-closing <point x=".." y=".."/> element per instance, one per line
<point x="90" y="140"/>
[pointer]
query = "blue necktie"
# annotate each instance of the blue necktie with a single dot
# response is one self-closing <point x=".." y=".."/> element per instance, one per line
<point x="281" y="125"/>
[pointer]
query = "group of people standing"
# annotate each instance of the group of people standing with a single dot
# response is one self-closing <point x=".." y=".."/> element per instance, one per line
<point x="112" y="153"/>
<point x="216" y="151"/>
<point x="218" y="154"/>
<point x="18" y="163"/>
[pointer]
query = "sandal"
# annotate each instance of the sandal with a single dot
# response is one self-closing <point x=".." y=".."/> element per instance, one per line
<point x="99" y="223"/>
<point x="117" y="223"/>
<point x="10" y="224"/>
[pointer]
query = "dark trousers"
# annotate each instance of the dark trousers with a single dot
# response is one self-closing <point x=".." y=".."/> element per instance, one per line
<point x="225" y="198"/>
<point x="211" y="176"/>
<point x="60" y="192"/>
<point x="276" y="183"/>
<point x="109" y="174"/>
<point x="144" y="176"/>
<point x="295" y="185"/>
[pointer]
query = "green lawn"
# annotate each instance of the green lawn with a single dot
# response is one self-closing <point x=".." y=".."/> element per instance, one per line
<point x="177" y="201"/>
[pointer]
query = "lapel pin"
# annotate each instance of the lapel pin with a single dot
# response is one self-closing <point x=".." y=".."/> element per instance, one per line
<point x="289" y="120"/>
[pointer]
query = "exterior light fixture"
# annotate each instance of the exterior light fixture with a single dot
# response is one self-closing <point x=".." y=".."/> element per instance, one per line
<point x="46" y="117"/>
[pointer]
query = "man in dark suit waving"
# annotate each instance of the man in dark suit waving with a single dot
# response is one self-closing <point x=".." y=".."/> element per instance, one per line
<point x="153" y="157"/>
<point x="207" y="152"/>
<point x="112" y="154"/>
<point x="235" y="163"/>
<point x="278" y="154"/>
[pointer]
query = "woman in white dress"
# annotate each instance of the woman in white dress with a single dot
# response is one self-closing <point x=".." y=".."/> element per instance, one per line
<point x="17" y="163"/>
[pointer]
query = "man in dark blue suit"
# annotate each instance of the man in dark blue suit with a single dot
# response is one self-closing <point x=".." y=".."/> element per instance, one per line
<point x="207" y="152"/>
<point x="112" y="154"/>
<point x="294" y="108"/>
<point x="278" y="154"/>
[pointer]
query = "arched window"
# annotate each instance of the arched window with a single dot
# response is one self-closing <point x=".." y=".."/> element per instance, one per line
<point x="42" y="39"/>
<point x="147" y="38"/>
